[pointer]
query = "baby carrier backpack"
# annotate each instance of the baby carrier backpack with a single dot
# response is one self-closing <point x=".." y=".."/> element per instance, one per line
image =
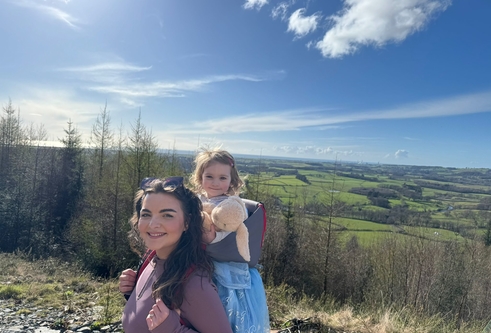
<point x="226" y="249"/>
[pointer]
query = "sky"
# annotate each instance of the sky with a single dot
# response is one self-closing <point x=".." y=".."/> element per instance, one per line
<point x="370" y="81"/>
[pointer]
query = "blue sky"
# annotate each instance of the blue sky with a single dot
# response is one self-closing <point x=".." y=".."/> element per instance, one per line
<point x="389" y="81"/>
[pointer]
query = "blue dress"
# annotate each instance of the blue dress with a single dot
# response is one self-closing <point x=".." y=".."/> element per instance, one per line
<point x="241" y="291"/>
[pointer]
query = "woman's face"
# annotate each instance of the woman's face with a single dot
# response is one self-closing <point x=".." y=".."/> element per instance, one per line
<point x="161" y="223"/>
<point x="216" y="179"/>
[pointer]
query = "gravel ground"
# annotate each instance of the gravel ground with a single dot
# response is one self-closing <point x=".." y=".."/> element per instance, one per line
<point x="17" y="317"/>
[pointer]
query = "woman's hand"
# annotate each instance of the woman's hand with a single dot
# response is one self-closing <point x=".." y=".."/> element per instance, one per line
<point x="157" y="315"/>
<point x="127" y="281"/>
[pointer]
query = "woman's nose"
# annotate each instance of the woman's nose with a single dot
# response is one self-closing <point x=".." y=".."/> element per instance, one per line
<point x="154" y="222"/>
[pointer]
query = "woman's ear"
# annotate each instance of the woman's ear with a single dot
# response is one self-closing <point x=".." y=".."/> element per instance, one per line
<point x="186" y="222"/>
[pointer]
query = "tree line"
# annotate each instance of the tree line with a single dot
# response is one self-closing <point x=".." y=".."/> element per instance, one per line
<point x="72" y="201"/>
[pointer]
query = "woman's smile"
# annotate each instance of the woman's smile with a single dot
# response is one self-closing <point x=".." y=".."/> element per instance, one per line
<point x="161" y="223"/>
<point x="155" y="235"/>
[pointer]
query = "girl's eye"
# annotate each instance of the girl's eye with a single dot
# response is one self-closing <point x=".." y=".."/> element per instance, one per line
<point x="168" y="216"/>
<point x="144" y="215"/>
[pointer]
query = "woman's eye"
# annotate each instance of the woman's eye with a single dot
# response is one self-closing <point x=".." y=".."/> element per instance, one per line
<point x="168" y="216"/>
<point x="144" y="215"/>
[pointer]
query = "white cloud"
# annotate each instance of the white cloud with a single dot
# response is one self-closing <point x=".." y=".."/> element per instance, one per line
<point x="296" y="120"/>
<point x="108" y="66"/>
<point x="376" y="22"/>
<point x="311" y="151"/>
<point x="284" y="149"/>
<point x="307" y="150"/>
<point x="106" y="72"/>
<point x="281" y="10"/>
<point x="302" y="25"/>
<point x="130" y="102"/>
<point x="401" y="153"/>
<point x="329" y="150"/>
<point x="251" y="4"/>
<point x="60" y="15"/>
<point x="50" y="11"/>
<point x="118" y="78"/>
<point x="169" y="89"/>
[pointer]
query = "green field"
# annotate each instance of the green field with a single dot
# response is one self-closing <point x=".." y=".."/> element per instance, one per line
<point x="450" y="200"/>
<point x="360" y="225"/>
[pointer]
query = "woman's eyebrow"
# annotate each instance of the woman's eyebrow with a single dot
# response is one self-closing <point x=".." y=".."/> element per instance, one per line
<point x="167" y="210"/>
<point x="161" y="211"/>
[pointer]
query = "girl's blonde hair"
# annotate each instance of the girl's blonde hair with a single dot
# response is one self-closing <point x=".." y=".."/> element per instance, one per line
<point x="209" y="156"/>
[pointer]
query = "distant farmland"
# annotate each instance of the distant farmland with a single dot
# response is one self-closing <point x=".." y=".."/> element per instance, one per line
<point x="381" y="200"/>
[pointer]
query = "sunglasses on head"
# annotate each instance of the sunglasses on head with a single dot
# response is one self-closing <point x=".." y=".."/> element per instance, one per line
<point x="167" y="182"/>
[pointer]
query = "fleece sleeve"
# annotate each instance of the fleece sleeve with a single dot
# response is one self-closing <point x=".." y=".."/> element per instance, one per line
<point x="201" y="309"/>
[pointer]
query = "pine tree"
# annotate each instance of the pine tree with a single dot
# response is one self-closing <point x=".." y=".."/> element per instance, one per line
<point x="68" y="184"/>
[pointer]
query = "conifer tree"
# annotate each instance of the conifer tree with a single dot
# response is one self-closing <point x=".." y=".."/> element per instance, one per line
<point x="69" y="183"/>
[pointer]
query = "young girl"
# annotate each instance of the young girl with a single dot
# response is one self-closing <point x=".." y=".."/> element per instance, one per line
<point x="240" y="287"/>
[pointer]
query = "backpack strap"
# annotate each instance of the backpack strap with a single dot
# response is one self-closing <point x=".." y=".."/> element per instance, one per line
<point x="188" y="273"/>
<point x="146" y="258"/>
<point x="261" y="206"/>
<point x="144" y="261"/>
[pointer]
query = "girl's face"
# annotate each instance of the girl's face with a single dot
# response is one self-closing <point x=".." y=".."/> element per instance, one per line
<point x="216" y="179"/>
<point x="161" y="223"/>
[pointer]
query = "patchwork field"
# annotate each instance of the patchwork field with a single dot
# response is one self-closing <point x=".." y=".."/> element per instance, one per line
<point x="406" y="201"/>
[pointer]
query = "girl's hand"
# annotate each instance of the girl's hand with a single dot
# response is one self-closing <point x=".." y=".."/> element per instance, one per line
<point x="209" y="235"/>
<point x="127" y="281"/>
<point x="157" y="314"/>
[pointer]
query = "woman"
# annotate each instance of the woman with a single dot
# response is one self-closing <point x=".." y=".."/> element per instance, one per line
<point x="174" y="293"/>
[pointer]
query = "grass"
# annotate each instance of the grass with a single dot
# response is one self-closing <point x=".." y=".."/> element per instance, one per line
<point x="368" y="238"/>
<point x="360" y="225"/>
<point x="433" y="233"/>
<point x="285" y="304"/>
<point x="57" y="284"/>
<point x="69" y="286"/>
<point x="10" y="292"/>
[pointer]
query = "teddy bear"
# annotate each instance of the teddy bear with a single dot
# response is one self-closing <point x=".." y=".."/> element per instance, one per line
<point x="229" y="215"/>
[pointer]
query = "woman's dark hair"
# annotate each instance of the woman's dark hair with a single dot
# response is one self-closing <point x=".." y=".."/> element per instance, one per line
<point x="189" y="253"/>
